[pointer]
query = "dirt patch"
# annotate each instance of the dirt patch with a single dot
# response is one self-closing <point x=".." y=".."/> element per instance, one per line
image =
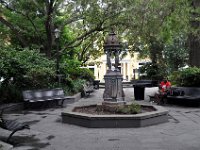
<point x="101" y="110"/>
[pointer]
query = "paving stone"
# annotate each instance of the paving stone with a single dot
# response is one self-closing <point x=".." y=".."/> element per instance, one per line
<point x="47" y="132"/>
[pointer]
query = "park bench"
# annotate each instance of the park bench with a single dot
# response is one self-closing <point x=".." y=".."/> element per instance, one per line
<point x="189" y="96"/>
<point x="87" y="89"/>
<point x="11" y="125"/>
<point x="44" y="96"/>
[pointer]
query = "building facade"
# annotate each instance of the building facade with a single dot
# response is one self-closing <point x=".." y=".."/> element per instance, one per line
<point x="129" y="67"/>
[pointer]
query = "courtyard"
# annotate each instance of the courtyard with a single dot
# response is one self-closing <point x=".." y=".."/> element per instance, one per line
<point x="52" y="50"/>
<point x="47" y="132"/>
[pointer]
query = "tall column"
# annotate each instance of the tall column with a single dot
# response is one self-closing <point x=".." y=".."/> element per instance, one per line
<point x="128" y="67"/>
<point x="124" y="71"/>
<point x="122" y="68"/>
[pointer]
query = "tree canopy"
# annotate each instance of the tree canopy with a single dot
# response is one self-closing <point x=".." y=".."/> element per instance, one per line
<point x="149" y="26"/>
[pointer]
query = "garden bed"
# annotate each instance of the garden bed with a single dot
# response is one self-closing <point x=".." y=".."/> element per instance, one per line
<point x="94" y="116"/>
<point x="101" y="110"/>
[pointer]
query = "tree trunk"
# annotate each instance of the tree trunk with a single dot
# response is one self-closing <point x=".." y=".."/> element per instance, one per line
<point x="156" y="48"/>
<point x="193" y="39"/>
<point x="194" y="53"/>
<point x="49" y="27"/>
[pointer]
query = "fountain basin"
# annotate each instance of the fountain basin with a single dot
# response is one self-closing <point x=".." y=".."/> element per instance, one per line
<point x="159" y="115"/>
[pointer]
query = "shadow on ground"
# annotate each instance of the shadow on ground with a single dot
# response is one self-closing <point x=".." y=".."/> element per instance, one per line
<point x="30" y="141"/>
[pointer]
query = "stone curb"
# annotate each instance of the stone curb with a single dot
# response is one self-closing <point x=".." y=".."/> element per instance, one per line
<point x="115" y="121"/>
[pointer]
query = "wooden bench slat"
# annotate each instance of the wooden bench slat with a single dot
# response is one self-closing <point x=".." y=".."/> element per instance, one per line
<point x="43" y="95"/>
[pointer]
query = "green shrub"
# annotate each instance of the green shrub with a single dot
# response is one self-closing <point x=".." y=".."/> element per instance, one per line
<point x="24" y="66"/>
<point x="174" y="78"/>
<point x="69" y="65"/>
<point x="153" y="71"/>
<point x="189" y="77"/>
<point x="72" y="68"/>
<point x="73" y="86"/>
<point x="86" y="74"/>
<point x="123" y="110"/>
<point x="83" y="73"/>
<point x="78" y="85"/>
<point x="10" y="93"/>
<point x="40" y="77"/>
<point x="130" y="109"/>
<point x="23" y="69"/>
<point x="134" y="108"/>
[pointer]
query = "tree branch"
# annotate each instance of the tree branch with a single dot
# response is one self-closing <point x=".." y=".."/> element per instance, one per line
<point x="16" y="31"/>
<point x="18" y="12"/>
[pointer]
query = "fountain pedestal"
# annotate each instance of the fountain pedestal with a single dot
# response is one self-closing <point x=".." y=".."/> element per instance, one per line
<point x="113" y="94"/>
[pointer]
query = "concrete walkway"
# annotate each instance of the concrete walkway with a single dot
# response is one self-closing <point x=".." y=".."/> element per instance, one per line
<point x="47" y="132"/>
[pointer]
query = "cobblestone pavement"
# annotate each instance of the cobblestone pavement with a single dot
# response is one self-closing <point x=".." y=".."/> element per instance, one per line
<point x="47" y="132"/>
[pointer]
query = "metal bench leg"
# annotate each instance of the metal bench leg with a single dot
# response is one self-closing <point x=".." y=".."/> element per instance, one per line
<point x="62" y="102"/>
<point x="8" y="139"/>
<point x="13" y="132"/>
<point x="58" y="103"/>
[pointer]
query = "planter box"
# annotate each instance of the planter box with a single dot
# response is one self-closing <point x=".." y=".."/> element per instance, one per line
<point x="160" y="115"/>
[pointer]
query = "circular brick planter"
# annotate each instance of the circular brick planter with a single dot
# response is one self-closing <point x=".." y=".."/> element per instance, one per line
<point x="116" y="121"/>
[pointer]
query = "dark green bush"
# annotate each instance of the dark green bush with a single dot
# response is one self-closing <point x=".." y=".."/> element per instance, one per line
<point x="153" y="71"/>
<point x="10" y="93"/>
<point x="73" y="68"/>
<point x="73" y="86"/>
<point x="27" y="68"/>
<point x="78" y="85"/>
<point x="135" y="108"/>
<point x="130" y="109"/>
<point x="82" y="73"/>
<point x="85" y="73"/>
<point x="23" y="69"/>
<point x="175" y="78"/>
<point x="189" y="77"/>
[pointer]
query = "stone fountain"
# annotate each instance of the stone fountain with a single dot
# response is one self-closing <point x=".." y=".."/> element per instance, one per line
<point x="113" y="97"/>
<point x="113" y="93"/>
